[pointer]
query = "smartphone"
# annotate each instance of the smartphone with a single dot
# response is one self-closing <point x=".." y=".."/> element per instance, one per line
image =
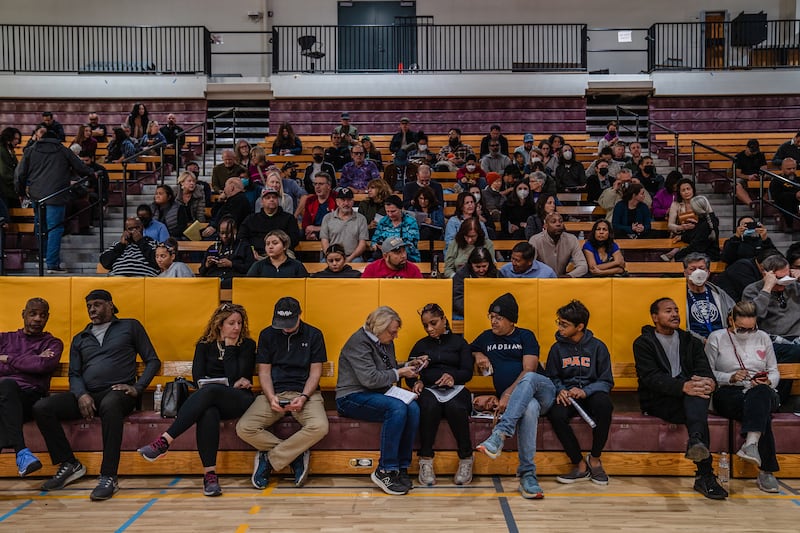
<point x="284" y="403"/>
<point x="750" y="225"/>
<point x="759" y="375"/>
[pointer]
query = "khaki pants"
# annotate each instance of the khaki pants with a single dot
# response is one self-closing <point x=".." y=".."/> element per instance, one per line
<point x="252" y="428"/>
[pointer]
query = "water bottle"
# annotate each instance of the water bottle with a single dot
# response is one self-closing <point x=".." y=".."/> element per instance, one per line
<point x="580" y="235"/>
<point x="724" y="468"/>
<point x="435" y="266"/>
<point x="157" y="399"/>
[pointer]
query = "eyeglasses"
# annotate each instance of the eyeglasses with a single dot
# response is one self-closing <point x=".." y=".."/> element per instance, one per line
<point x="358" y="153"/>
<point x="740" y="331"/>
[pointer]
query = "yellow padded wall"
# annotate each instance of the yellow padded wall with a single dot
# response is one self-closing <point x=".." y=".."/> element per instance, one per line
<point x="176" y="313"/>
<point x="631" y="310"/>
<point x="595" y="294"/>
<point x="57" y="291"/>
<point x="407" y="297"/>
<point x="127" y="294"/>
<point x="258" y="296"/>
<point x="339" y="307"/>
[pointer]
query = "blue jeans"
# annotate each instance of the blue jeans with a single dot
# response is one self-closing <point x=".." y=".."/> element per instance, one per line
<point x="55" y="217"/>
<point x="400" y="422"/>
<point x="533" y="396"/>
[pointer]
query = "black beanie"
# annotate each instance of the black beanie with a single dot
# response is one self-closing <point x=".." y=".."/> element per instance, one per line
<point x="506" y="306"/>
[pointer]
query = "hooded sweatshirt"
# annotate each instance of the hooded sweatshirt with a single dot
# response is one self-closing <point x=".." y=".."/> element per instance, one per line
<point x="585" y="364"/>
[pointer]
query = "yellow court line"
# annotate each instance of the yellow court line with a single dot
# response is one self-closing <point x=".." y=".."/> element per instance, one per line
<point x="255" y="509"/>
<point x="242" y="528"/>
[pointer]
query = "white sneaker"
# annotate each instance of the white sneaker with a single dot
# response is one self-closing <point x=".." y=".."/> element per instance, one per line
<point x="427" y="477"/>
<point x="464" y="472"/>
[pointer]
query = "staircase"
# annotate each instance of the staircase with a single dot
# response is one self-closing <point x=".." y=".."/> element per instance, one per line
<point x="252" y="123"/>
<point x="601" y="109"/>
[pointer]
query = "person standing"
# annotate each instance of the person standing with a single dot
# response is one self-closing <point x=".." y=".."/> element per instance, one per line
<point x="103" y="383"/>
<point x="46" y="168"/>
<point x="290" y="358"/>
<point x="27" y="358"/>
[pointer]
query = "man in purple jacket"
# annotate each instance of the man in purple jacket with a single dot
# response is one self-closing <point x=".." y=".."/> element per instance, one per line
<point x="28" y="357"/>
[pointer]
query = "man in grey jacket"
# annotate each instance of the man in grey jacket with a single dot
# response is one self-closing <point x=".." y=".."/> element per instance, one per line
<point x="46" y="168"/>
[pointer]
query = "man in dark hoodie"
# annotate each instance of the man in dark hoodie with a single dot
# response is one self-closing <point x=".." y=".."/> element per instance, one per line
<point x="511" y="355"/>
<point x="580" y="367"/>
<point x="46" y="169"/>
<point x="675" y="384"/>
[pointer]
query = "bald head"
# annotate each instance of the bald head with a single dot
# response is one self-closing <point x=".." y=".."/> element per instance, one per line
<point x="233" y="186"/>
<point x="788" y="168"/>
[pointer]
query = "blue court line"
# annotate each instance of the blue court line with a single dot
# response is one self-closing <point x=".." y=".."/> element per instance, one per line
<point x="511" y="524"/>
<point x="16" y="509"/>
<point x="145" y="507"/>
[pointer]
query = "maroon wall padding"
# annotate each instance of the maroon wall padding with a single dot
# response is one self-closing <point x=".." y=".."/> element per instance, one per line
<point x="630" y="432"/>
<point x="433" y="115"/>
<point x="716" y="114"/>
<point x="25" y="114"/>
<point x="785" y="428"/>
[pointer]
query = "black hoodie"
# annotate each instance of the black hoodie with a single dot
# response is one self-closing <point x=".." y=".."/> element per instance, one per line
<point x="585" y="364"/>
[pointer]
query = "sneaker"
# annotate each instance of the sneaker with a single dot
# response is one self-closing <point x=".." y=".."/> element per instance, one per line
<point x="405" y="479"/>
<point x="389" y="482"/>
<point x="261" y="471"/>
<point x="529" y="487"/>
<point x="696" y="451"/>
<point x="57" y="270"/>
<point x="211" y="484"/>
<point x="665" y="258"/>
<point x="300" y="468"/>
<point x="464" y="472"/>
<point x="105" y="489"/>
<point x="67" y="473"/>
<point x="749" y="452"/>
<point x="708" y="486"/>
<point x="575" y="475"/>
<point x="155" y="449"/>
<point x="427" y="477"/>
<point x="27" y="463"/>
<point x="766" y="481"/>
<point x="598" y="473"/>
<point x="493" y="446"/>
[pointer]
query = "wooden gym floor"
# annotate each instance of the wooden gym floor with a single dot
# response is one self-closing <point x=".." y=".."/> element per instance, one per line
<point x="354" y="504"/>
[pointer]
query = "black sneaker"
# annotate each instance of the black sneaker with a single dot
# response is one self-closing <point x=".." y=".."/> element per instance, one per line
<point x="105" y="489"/>
<point x="405" y="479"/>
<point x="300" y="468"/>
<point x="696" y="451"/>
<point x="706" y="484"/>
<point x="211" y="484"/>
<point x="67" y="473"/>
<point x="389" y="482"/>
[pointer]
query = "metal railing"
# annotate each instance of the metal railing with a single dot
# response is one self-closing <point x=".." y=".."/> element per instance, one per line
<point x="770" y="201"/>
<point x="647" y="134"/>
<point x="722" y="175"/>
<point x="105" y="49"/>
<point x="42" y="227"/>
<point x="230" y="111"/>
<point x="430" y="48"/>
<point x="723" y="45"/>
<point x="132" y="158"/>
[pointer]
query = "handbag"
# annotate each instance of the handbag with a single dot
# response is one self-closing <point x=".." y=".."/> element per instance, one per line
<point x="175" y="393"/>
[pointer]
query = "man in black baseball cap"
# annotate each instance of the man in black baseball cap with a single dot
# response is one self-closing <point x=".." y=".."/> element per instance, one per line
<point x="290" y="358"/>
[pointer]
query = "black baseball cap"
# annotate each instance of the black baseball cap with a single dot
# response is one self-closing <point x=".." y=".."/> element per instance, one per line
<point x="287" y="313"/>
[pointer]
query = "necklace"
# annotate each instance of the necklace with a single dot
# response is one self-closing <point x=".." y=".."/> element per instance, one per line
<point x="221" y="350"/>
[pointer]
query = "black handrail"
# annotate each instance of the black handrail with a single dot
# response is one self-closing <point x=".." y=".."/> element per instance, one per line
<point x="179" y="146"/>
<point x="649" y="138"/>
<point x="42" y="228"/>
<point x="761" y="201"/>
<point x="230" y="110"/>
<point x="727" y="156"/>
<point x="125" y="162"/>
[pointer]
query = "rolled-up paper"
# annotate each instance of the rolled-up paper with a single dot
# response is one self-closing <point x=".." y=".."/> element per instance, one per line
<point x="584" y="414"/>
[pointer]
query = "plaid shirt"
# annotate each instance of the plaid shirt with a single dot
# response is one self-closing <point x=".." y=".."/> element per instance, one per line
<point x="461" y="152"/>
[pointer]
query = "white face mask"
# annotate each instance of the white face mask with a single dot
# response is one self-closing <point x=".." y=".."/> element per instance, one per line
<point x="422" y="147"/>
<point x="536" y="160"/>
<point x="470" y="168"/>
<point x="567" y="155"/>
<point x="522" y="193"/>
<point x="786" y="280"/>
<point x="477" y="196"/>
<point x="698" y="277"/>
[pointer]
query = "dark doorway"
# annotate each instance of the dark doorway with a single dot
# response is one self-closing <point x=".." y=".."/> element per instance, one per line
<point x="715" y="39"/>
<point x="376" y="36"/>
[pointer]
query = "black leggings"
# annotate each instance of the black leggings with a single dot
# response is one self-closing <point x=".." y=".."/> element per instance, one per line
<point x="599" y="407"/>
<point x="206" y="408"/>
<point x="456" y="411"/>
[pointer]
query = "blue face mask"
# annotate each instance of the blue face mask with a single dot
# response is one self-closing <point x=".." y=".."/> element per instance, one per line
<point x="245" y="181"/>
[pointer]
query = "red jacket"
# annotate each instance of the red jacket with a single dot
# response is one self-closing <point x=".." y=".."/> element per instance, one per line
<point x="312" y="207"/>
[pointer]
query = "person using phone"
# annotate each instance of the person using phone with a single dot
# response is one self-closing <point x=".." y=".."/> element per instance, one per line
<point x="744" y="365"/>
<point x="133" y="254"/>
<point x="290" y="358"/>
<point x="747" y="242"/>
